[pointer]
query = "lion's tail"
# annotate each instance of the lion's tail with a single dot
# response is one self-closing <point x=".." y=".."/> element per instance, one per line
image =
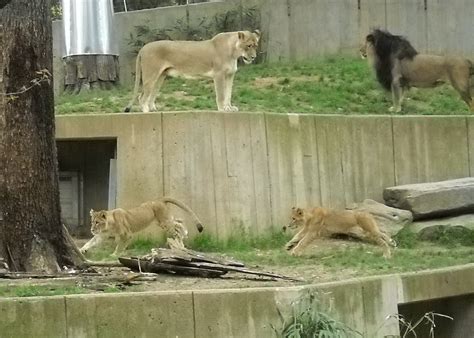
<point x="138" y="78"/>
<point x="185" y="208"/>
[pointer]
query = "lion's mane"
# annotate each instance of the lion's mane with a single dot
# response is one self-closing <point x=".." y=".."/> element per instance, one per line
<point x="388" y="47"/>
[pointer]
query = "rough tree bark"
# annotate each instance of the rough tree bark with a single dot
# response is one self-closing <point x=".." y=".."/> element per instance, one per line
<point x="31" y="235"/>
<point x="85" y="72"/>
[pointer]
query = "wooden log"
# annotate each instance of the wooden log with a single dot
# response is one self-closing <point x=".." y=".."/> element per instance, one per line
<point x="237" y="269"/>
<point x="180" y="260"/>
<point x="136" y="264"/>
<point x="192" y="256"/>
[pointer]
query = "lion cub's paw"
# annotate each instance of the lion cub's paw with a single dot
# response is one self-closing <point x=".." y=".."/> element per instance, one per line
<point x="393" y="109"/>
<point x="231" y="108"/>
<point x="295" y="253"/>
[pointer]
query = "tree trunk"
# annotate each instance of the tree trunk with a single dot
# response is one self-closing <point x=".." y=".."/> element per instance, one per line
<point x="31" y="236"/>
<point x="85" y="72"/>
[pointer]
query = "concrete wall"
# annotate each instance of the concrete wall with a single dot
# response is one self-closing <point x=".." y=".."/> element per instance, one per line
<point x="302" y="29"/>
<point x="246" y="170"/>
<point x="363" y="304"/>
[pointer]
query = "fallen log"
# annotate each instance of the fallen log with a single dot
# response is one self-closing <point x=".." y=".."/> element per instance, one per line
<point x="137" y="264"/>
<point x="189" y="262"/>
<point x="243" y="270"/>
<point x="189" y="255"/>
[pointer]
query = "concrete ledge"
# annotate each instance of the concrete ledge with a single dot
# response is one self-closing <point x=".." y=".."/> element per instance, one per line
<point x="440" y="283"/>
<point x="363" y="304"/>
<point x="146" y="314"/>
<point x="32" y="317"/>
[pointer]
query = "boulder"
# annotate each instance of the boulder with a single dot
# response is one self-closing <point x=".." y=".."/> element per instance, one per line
<point x="459" y="229"/>
<point x="390" y="220"/>
<point x="432" y="200"/>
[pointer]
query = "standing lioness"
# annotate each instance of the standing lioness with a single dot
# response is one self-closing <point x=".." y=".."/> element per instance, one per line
<point x="215" y="58"/>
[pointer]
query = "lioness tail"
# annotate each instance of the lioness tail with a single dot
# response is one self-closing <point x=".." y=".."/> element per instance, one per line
<point x="138" y="77"/>
<point x="185" y="208"/>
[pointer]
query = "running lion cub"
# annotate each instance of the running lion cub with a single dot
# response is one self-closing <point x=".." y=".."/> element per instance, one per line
<point x="121" y="223"/>
<point x="323" y="222"/>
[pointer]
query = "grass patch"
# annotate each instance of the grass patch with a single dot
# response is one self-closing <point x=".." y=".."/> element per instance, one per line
<point x="40" y="290"/>
<point x="406" y="239"/>
<point x="139" y="246"/>
<point x="412" y="253"/>
<point x="341" y="257"/>
<point x="309" y="319"/>
<point x="343" y="85"/>
<point x="448" y="235"/>
<point x="239" y="243"/>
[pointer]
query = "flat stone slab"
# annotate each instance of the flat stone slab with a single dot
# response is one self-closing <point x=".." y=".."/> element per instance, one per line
<point x="431" y="200"/>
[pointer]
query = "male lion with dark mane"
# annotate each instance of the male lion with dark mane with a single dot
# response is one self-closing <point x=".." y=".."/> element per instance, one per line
<point x="323" y="222"/>
<point x="399" y="66"/>
<point x="215" y="58"/>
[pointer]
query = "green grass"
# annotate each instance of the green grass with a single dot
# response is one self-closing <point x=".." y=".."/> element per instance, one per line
<point x="342" y="85"/>
<point x="448" y="248"/>
<point x="310" y="319"/>
<point x="412" y="254"/>
<point x="40" y="290"/>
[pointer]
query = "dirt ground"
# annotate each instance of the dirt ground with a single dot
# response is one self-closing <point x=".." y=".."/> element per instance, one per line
<point x="113" y="277"/>
<point x="327" y="262"/>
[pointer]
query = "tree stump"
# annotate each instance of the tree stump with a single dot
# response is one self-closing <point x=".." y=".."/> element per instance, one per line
<point x="85" y="72"/>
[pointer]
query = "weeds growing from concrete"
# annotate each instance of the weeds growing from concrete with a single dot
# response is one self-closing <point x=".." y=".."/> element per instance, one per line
<point x="309" y="320"/>
<point x="408" y="329"/>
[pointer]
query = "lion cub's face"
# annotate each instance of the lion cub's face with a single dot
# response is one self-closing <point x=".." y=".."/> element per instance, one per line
<point x="363" y="51"/>
<point x="297" y="218"/>
<point x="248" y="44"/>
<point x="366" y="50"/>
<point x="98" y="221"/>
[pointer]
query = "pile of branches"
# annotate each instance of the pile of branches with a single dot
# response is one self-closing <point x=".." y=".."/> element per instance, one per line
<point x="182" y="261"/>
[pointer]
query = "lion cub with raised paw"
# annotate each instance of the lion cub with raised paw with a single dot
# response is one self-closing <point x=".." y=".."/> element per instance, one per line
<point x="121" y="223"/>
<point x="322" y="222"/>
<point x="215" y="58"/>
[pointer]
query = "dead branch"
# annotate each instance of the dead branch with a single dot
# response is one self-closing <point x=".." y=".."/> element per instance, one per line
<point x="189" y="262"/>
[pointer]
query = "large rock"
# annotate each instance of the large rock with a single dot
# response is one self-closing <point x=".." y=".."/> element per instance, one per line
<point x="430" y="200"/>
<point x="390" y="220"/>
<point x="455" y="229"/>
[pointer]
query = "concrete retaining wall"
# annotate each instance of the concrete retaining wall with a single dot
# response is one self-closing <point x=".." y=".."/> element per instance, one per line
<point x="244" y="171"/>
<point x="302" y="29"/>
<point x="363" y="304"/>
